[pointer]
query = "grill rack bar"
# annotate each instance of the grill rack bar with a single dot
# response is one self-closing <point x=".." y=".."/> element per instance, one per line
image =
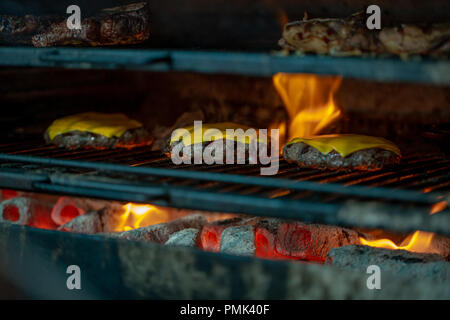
<point x="242" y="63"/>
<point x="358" y="191"/>
<point x="140" y="175"/>
<point x="141" y="157"/>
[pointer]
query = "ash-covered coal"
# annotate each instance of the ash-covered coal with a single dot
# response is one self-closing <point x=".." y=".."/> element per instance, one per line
<point x="398" y="262"/>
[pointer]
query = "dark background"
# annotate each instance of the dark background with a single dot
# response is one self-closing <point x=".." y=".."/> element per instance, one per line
<point x="237" y="24"/>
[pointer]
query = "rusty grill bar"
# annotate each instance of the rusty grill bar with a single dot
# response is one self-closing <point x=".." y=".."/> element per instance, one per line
<point x="405" y="193"/>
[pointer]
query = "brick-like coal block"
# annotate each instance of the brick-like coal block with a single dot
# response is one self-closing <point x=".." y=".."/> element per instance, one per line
<point x="266" y="232"/>
<point x="161" y="232"/>
<point x="296" y="240"/>
<point x="275" y="238"/>
<point x="211" y="235"/>
<point x="27" y="211"/>
<point x="239" y="240"/>
<point x="398" y="262"/>
<point x="185" y="238"/>
<point x="104" y="220"/>
<point x="66" y="209"/>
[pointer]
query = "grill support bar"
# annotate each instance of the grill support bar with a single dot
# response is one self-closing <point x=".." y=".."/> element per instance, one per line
<point x="244" y="63"/>
<point x="396" y="216"/>
<point x="357" y="191"/>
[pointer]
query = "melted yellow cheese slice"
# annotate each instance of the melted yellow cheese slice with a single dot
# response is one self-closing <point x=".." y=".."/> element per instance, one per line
<point x="346" y="144"/>
<point x="106" y="124"/>
<point x="189" y="136"/>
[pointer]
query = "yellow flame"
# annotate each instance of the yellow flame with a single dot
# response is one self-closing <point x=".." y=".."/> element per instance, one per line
<point x="281" y="126"/>
<point x="141" y="215"/>
<point x="309" y="101"/>
<point x="419" y="241"/>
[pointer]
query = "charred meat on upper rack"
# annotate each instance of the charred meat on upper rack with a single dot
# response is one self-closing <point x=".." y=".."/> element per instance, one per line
<point x="351" y="37"/>
<point x="128" y="24"/>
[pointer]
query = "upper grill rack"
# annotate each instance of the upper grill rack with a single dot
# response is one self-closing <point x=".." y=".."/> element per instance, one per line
<point x="242" y="63"/>
<point x="403" y="195"/>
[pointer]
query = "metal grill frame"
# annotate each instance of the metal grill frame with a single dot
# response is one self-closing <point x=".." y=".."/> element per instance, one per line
<point x="193" y="187"/>
<point x="426" y="71"/>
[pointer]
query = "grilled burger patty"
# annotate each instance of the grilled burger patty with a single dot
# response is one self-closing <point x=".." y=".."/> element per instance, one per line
<point x="83" y="139"/>
<point x="178" y="148"/>
<point x="372" y="157"/>
<point x="210" y="144"/>
<point x="97" y="130"/>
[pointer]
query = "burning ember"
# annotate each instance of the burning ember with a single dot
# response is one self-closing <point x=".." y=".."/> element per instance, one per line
<point x="6" y="194"/>
<point x="66" y="209"/>
<point x="27" y="211"/>
<point x="267" y="238"/>
<point x="51" y="212"/>
<point x="309" y="102"/>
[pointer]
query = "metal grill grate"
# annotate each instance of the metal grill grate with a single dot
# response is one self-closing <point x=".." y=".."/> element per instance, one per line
<point x="406" y="194"/>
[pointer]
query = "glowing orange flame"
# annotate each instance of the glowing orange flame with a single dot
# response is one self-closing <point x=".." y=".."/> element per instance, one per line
<point x="141" y="215"/>
<point x="438" y="207"/>
<point x="309" y="102"/>
<point x="419" y="241"/>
